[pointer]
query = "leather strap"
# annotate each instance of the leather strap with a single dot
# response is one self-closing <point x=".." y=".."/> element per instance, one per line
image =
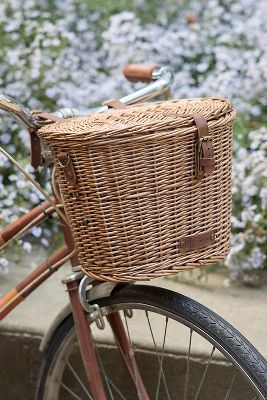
<point x="46" y="116"/>
<point x="36" y="151"/>
<point x="36" y="156"/>
<point x="114" y="103"/>
<point x="66" y="164"/>
<point x="196" y="242"/>
<point x="205" y="162"/>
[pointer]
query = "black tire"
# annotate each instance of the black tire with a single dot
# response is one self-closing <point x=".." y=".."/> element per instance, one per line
<point x="224" y="337"/>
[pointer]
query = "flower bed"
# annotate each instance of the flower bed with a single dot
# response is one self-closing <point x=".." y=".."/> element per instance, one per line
<point x="71" y="53"/>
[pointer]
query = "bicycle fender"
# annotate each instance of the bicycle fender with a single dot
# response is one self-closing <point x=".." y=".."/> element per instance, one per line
<point x="54" y="325"/>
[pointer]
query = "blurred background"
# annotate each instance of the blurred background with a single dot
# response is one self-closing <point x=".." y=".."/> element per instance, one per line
<point x="71" y="53"/>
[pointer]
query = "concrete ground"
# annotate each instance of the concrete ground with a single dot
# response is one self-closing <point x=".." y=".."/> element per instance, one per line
<point x="22" y="330"/>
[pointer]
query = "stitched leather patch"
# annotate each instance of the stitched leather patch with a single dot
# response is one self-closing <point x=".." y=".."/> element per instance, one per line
<point x="196" y="242"/>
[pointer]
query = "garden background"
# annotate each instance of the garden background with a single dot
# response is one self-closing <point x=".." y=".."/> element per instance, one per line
<point x="71" y="53"/>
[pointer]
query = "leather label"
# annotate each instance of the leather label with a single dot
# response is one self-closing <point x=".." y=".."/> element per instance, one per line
<point x="196" y="242"/>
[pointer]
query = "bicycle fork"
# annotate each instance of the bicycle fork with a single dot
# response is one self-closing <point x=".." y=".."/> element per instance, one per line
<point x="87" y="346"/>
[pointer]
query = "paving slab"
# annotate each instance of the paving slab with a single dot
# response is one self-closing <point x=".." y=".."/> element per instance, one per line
<point x="245" y="308"/>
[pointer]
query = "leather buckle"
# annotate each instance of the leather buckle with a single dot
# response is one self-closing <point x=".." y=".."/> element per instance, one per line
<point x="204" y="151"/>
<point x="66" y="163"/>
<point x="207" y="138"/>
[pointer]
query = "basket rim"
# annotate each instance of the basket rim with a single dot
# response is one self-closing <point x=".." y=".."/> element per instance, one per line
<point x="139" y="119"/>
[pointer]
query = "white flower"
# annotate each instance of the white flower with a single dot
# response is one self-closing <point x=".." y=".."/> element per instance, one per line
<point x="27" y="247"/>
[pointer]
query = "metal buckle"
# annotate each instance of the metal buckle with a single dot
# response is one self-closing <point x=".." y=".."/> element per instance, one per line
<point x="207" y="138"/>
<point x="66" y="163"/>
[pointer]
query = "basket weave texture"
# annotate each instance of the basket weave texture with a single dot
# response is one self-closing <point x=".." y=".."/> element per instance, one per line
<point x="136" y="201"/>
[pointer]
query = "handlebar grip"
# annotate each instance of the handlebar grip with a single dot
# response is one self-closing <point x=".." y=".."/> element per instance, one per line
<point x="139" y="72"/>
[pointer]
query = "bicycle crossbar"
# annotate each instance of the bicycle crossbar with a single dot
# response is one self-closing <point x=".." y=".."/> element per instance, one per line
<point x="33" y="280"/>
<point x="22" y="224"/>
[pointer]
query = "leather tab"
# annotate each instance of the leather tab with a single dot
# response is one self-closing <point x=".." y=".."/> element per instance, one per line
<point x="114" y="103"/>
<point x="36" y="155"/>
<point x="47" y="116"/>
<point x="66" y="164"/>
<point x="205" y="162"/>
<point x="196" y="242"/>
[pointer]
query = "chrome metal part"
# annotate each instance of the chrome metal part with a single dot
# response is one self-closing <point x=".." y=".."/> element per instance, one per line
<point x="128" y="313"/>
<point x="95" y="315"/>
<point x="73" y="277"/>
<point x="29" y="119"/>
<point x="93" y="310"/>
<point x="83" y="286"/>
<point x="77" y="268"/>
<point x="103" y="289"/>
<point x="67" y="113"/>
<point x="17" y="110"/>
<point x="163" y="78"/>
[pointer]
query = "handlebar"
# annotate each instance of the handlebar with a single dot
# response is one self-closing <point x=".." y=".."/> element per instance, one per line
<point x="161" y="80"/>
<point x="18" y="110"/>
<point x="140" y="72"/>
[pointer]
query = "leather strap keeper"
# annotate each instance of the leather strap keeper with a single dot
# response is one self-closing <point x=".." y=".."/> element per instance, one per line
<point x="46" y="116"/>
<point x="114" y="103"/>
<point x="196" y="242"/>
<point x="66" y="164"/>
<point x="205" y="162"/>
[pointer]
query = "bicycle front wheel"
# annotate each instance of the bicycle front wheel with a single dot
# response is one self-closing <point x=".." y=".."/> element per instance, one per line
<point x="182" y="350"/>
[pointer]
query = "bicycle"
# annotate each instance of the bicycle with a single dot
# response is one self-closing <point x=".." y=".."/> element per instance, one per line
<point x="97" y="306"/>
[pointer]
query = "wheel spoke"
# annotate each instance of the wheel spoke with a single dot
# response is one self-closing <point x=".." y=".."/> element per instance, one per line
<point x="230" y="387"/>
<point x="166" y="315"/>
<point x="71" y="392"/>
<point x="188" y="365"/>
<point x="204" y="373"/>
<point x="134" y="365"/>
<point x="162" y="357"/>
<point x="124" y="358"/>
<point x="78" y="378"/>
<point x="157" y="352"/>
<point x="102" y="369"/>
<point x="107" y="379"/>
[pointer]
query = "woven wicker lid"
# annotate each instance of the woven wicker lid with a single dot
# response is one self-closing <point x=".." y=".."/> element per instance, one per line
<point x="138" y="120"/>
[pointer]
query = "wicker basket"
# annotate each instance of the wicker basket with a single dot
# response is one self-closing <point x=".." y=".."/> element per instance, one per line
<point x="147" y="189"/>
